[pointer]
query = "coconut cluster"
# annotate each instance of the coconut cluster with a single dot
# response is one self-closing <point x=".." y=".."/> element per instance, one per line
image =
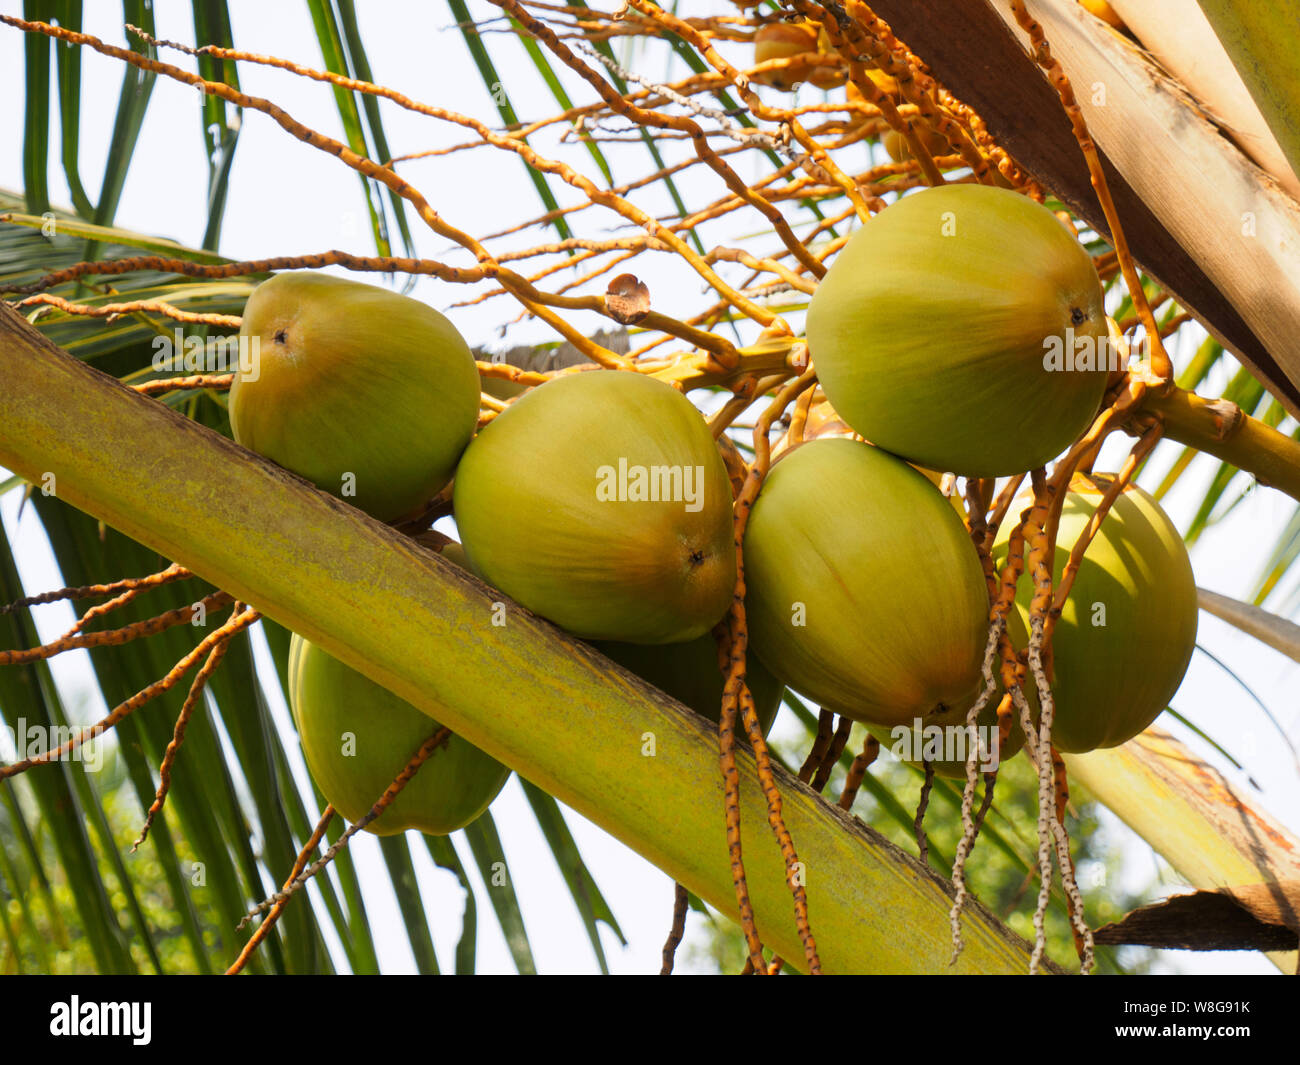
<point x="938" y="336"/>
<point x="600" y="500"/>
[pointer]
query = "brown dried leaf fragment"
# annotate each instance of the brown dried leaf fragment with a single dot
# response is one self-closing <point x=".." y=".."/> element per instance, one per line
<point x="1249" y="917"/>
<point x="627" y="299"/>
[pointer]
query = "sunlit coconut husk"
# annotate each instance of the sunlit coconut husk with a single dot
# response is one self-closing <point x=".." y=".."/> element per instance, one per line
<point x="946" y="331"/>
<point x="600" y="500"/>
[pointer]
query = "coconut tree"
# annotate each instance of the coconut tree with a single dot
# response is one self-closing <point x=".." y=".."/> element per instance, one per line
<point x="176" y="829"/>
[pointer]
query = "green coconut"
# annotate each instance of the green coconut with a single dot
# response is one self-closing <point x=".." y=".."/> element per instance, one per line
<point x="369" y="394"/>
<point x="1128" y="627"/>
<point x="357" y="736"/>
<point x="864" y="592"/>
<point x="963" y="329"/>
<point x="599" y="500"/>
<point x="689" y="673"/>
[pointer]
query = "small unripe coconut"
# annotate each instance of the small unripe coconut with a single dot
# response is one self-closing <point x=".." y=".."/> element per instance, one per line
<point x="864" y="592"/>
<point x="896" y="148"/>
<point x="357" y="736"/>
<point x="369" y="394"/>
<point x="1105" y="12"/>
<point x="689" y="672"/>
<point x="600" y="501"/>
<point x="827" y="77"/>
<point x="963" y="328"/>
<point x="783" y="40"/>
<point x="1128" y="628"/>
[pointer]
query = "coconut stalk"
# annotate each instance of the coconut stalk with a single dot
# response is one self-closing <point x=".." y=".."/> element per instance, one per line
<point x="1220" y="428"/>
<point x="1189" y="812"/>
<point x="558" y="713"/>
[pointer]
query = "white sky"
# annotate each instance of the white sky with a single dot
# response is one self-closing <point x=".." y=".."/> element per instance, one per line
<point x="287" y="198"/>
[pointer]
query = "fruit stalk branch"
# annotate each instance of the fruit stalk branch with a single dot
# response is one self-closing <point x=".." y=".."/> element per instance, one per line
<point x="858" y="771"/>
<point x="197" y="688"/>
<point x="112" y="310"/>
<point x="113" y="637"/>
<point x="265" y="927"/>
<point x="514" y="143"/>
<point x="90" y="591"/>
<point x="722" y="348"/>
<point x="218" y="381"/>
<point x="818" y="158"/>
<point x="519" y="287"/>
<point x="294" y="884"/>
<point x="1220" y="428"/>
<point x="134" y="590"/>
<point x="737" y="700"/>
<point x="681" y="899"/>
<point x="857" y="32"/>
<point x="234" y="625"/>
<point x="423" y="629"/>
<point x="849" y="39"/>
